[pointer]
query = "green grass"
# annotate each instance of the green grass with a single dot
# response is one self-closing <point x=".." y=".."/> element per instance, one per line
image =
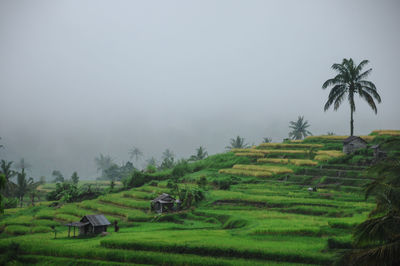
<point x="256" y="221"/>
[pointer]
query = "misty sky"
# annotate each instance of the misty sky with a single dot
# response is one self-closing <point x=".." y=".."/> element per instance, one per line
<point x="79" y="78"/>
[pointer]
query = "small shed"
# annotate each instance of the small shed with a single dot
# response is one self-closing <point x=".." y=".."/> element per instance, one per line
<point x="353" y="143"/>
<point x="378" y="153"/>
<point x="164" y="203"/>
<point x="90" y="224"/>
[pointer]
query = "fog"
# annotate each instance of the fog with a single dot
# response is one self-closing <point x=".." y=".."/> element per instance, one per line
<point x="80" y="78"/>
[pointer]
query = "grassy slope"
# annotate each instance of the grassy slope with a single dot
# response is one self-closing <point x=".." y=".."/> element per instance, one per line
<point x="270" y="220"/>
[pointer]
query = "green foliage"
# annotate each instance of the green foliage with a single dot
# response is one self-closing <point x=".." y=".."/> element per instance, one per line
<point x="58" y="177"/>
<point x="377" y="239"/>
<point x="17" y="230"/>
<point x="69" y="192"/>
<point x="75" y="178"/>
<point x="237" y="143"/>
<point x="201" y="153"/>
<point x="180" y="169"/>
<point x="349" y="81"/>
<point x="299" y="129"/>
<point x="168" y="160"/>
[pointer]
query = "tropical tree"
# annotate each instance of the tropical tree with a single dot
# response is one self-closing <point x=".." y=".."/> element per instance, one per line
<point x="299" y="128"/>
<point x="5" y="169"/>
<point x="23" y="165"/>
<point x="201" y="153"/>
<point x="23" y="185"/>
<point x="377" y="240"/>
<point x="267" y="140"/>
<point x="136" y="153"/>
<point x="349" y="81"/>
<point x="103" y="163"/>
<point x="237" y="143"/>
<point x="75" y="178"/>
<point x="168" y="159"/>
<point x="58" y="177"/>
<point x="2" y="186"/>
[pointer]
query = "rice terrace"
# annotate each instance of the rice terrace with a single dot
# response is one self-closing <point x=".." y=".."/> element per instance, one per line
<point x="205" y="133"/>
<point x="254" y="210"/>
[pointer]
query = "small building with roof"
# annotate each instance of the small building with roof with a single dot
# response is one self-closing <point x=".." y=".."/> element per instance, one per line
<point x="353" y="143"/>
<point x="90" y="224"/>
<point x="165" y="203"/>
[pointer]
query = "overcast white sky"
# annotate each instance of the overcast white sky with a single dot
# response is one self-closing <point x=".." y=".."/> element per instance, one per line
<point x="79" y="78"/>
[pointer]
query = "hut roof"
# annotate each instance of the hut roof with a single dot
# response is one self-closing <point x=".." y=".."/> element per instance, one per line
<point x="77" y="224"/>
<point x="375" y="146"/>
<point x="164" y="198"/>
<point x="96" y="219"/>
<point x="351" y="139"/>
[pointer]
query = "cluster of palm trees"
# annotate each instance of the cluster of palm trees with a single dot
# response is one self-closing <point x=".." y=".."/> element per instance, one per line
<point x="22" y="186"/>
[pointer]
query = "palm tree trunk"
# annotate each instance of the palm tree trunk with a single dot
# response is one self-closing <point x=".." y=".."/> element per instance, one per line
<point x="351" y="122"/>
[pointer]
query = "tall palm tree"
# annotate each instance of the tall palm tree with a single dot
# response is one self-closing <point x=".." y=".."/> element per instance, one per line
<point x="103" y="162"/>
<point x="237" y="143"/>
<point x="349" y="81"/>
<point x="136" y="153"/>
<point x="299" y="129"/>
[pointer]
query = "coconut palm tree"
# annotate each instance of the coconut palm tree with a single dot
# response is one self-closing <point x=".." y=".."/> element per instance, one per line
<point x="349" y="81"/>
<point x="103" y="162"/>
<point x="136" y="153"/>
<point x="299" y="128"/>
<point x="377" y="239"/>
<point x="5" y="168"/>
<point x="201" y="153"/>
<point x="267" y="140"/>
<point x="237" y="143"/>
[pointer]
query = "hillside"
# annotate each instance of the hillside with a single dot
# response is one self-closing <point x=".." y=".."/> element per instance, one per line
<point x="257" y="210"/>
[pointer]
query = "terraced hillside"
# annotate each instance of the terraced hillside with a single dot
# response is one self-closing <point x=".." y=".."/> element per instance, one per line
<point x="258" y="211"/>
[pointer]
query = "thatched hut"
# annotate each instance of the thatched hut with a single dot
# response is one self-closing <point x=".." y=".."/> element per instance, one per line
<point x="353" y="143"/>
<point x="164" y="203"/>
<point x="90" y="224"/>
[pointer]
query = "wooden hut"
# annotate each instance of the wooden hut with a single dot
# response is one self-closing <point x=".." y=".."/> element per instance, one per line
<point x="353" y="143"/>
<point x="164" y="203"/>
<point x="90" y="224"/>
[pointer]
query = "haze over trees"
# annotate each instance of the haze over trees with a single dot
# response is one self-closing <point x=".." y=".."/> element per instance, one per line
<point x="103" y="162"/>
<point x="136" y="153"/>
<point x="237" y="143"/>
<point x="299" y="129"/>
<point x="349" y="81"/>
<point x="201" y="153"/>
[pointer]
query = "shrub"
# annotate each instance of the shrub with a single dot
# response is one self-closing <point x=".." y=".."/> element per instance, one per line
<point x="181" y="168"/>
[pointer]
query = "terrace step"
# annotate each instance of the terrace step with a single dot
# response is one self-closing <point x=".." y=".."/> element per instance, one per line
<point x="343" y="167"/>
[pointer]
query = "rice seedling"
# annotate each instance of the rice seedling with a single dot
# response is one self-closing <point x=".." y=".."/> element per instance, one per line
<point x="298" y="162"/>
<point x="387" y="132"/>
<point x="40" y="229"/>
<point x="331" y="153"/>
<point x="17" y="220"/>
<point x="245" y="172"/>
<point x="125" y="202"/>
<point x="267" y="168"/>
<point x="17" y="230"/>
<point x="322" y="158"/>
<point x="335" y="138"/>
<point x="250" y="154"/>
<point x="289" y="145"/>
